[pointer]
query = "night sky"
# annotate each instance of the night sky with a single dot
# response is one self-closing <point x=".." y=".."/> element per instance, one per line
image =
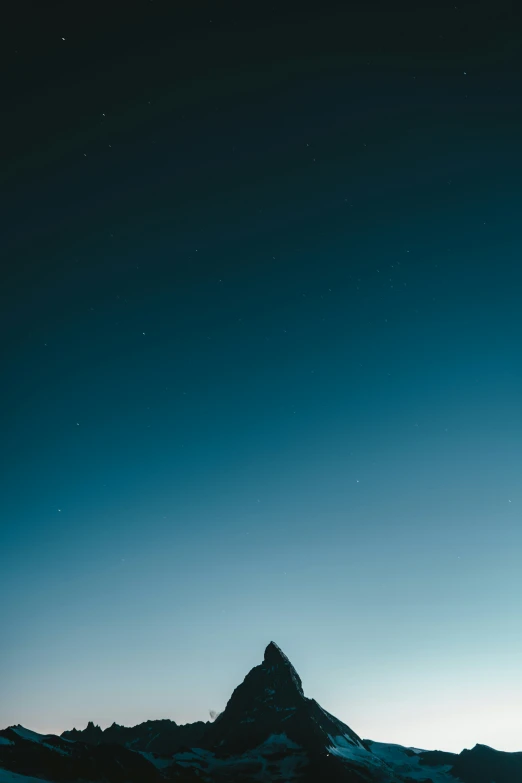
<point x="261" y="362"/>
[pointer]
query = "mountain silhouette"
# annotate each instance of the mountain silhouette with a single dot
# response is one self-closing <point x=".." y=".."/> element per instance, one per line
<point x="270" y="700"/>
<point x="269" y="731"/>
<point x="163" y="737"/>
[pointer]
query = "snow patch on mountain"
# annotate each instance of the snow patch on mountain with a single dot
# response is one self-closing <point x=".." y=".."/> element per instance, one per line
<point x="40" y="739"/>
<point x="398" y="758"/>
<point x="345" y="747"/>
<point x="160" y="762"/>
<point x="278" y="758"/>
<point x="13" y="777"/>
<point x="26" y="734"/>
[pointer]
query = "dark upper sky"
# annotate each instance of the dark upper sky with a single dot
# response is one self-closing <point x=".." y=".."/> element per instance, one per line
<point x="260" y="295"/>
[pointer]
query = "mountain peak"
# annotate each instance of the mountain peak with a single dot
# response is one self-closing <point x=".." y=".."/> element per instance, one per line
<point x="274" y="653"/>
<point x="270" y="702"/>
<point x="276" y="663"/>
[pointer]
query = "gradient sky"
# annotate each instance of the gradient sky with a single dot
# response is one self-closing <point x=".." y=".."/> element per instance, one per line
<point x="261" y="366"/>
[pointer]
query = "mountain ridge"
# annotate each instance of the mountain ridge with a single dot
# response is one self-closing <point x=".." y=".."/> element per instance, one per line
<point x="161" y="736"/>
<point x="269" y="731"/>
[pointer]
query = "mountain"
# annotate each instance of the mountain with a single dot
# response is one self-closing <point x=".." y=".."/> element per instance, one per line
<point x="270" y="701"/>
<point x="484" y="765"/>
<point x="164" y="737"/>
<point x="54" y="758"/>
<point x="269" y="731"/>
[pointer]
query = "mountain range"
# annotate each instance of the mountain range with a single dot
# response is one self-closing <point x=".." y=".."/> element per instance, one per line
<point x="269" y="731"/>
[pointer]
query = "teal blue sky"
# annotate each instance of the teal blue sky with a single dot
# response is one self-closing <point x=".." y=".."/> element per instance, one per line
<point x="261" y="367"/>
